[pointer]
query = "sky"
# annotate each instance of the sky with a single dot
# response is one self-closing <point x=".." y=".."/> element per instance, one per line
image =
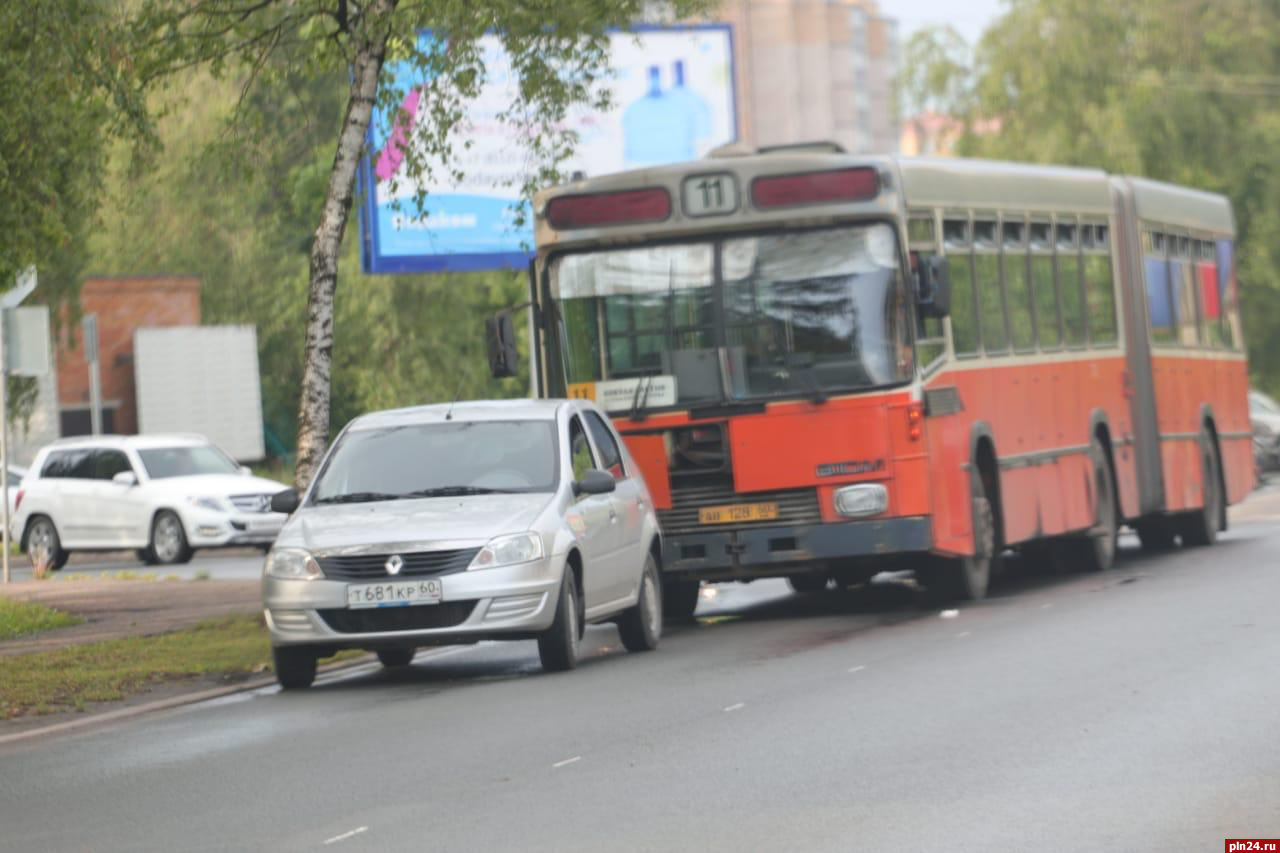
<point x="970" y="17"/>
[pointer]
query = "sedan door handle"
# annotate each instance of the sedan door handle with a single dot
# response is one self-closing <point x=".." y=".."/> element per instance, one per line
<point x="613" y="515"/>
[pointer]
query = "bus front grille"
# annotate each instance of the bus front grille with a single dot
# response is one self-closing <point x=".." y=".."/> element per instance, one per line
<point x="795" y="506"/>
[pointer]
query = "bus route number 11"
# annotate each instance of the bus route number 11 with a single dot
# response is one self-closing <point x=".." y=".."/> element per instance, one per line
<point x="710" y="195"/>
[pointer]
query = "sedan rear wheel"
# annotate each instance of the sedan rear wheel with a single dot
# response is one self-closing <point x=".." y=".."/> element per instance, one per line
<point x="641" y="625"/>
<point x="558" y="645"/>
<point x="44" y="548"/>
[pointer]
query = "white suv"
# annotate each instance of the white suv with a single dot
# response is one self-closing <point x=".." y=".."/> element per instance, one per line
<point x="163" y="495"/>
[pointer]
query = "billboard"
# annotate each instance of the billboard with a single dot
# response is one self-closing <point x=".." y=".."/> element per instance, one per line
<point x="673" y="100"/>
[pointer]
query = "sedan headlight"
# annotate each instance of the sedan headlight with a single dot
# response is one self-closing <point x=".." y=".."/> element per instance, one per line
<point x="292" y="564"/>
<point x="508" y="550"/>
<point x="206" y="503"/>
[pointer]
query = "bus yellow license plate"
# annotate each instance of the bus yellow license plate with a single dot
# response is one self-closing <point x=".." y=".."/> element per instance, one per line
<point x="737" y="512"/>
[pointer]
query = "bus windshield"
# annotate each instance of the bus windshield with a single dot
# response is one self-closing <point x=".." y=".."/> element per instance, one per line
<point x="799" y="313"/>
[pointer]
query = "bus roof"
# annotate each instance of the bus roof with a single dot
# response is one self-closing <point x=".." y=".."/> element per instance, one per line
<point x="905" y="182"/>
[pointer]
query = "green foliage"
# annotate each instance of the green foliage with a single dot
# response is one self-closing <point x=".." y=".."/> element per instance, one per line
<point x="1186" y="91"/>
<point x="64" y="91"/>
<point x="240" y="216"/>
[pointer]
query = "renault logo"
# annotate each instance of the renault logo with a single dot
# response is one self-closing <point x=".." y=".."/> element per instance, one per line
<point x="394" y="564"/>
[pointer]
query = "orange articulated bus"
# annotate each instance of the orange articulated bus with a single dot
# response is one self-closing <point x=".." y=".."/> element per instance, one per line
<point x="829" y="365"/>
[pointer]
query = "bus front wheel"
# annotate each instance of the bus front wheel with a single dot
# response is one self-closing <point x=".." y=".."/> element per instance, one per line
<point x="967" y="578"/>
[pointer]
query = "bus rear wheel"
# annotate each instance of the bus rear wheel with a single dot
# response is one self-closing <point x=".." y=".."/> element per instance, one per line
<point x="1201" y="527"/>
<point x="1096" y="550"/>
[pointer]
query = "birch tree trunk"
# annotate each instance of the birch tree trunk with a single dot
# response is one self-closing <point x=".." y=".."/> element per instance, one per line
<point x="313" y="408"/>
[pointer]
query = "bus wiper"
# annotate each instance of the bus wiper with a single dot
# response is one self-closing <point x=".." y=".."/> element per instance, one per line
<point x="357" y="498"/>
<point x="806" y="373"/>
<point x="640" y="398"/>
<point x="455" y="491"/>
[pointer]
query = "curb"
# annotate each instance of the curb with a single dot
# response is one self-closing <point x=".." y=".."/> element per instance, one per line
<point x="171" y="702"/>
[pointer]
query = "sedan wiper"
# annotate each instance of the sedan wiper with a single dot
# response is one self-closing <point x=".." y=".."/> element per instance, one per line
<point x="358" y="498"/>
<point x="455" y="491"/>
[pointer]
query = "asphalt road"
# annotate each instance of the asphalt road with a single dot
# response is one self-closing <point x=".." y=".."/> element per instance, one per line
<point x="231" y="564"/>
<point x="1135" y="710"/>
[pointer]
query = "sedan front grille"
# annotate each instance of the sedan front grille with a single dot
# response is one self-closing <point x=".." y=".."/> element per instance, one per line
<point x="795" y="506"/>
<point x="251" y="503"/>
<point x="377" y="620"/>
<point x="417" y="564"/>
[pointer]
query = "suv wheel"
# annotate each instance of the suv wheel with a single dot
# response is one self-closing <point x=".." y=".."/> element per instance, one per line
<point x="168" y="540"/>
<point x="558" y="645"/>
<point x="640" y="626"/>
<point x="44" y="548"/>
<point x="295" y="666"/>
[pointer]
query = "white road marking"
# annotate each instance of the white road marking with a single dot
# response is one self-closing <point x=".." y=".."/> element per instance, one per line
<point x="1045" y="606"/>
<point x="949" y="614"/>
<point x="566" y="761"/>
<point x="962" y="635"/>
<point x="344" y="836"/>
<point x="735" y="707"/>
<point x="855" y="669"/>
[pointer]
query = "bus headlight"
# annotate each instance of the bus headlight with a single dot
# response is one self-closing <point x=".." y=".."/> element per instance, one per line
<point x="862" y="500"/>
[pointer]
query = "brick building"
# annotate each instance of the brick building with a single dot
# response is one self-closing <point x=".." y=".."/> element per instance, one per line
<point x="123" y="304"/>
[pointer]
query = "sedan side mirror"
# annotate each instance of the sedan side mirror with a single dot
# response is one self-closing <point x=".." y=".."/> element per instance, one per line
<point x="595" y="482"/>
<point x="933" y="286"/>
<point x="286" y="501"/>
<point x="500" y="334"/>
<point x="125" y="478"/>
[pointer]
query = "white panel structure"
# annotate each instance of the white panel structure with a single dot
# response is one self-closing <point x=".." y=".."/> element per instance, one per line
<point x="201" y="379"/>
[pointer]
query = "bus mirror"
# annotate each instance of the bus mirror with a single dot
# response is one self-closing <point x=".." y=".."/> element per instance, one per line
<point x="933" y="278"/>
<point x="501" y="335"/>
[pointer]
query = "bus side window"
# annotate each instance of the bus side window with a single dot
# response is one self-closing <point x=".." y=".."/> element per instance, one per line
<point x="1048" y="317"/>
<point x="986" y="273"/>
<point x="1070" y="292"/>
<point x="964" y="326"/>
<point x="1229" y="294"/>
<point x="1183" y="283"/>
<point x="1160" y="305"/>
<point x="1017" y="286"/>
<point x="1210" y="296"/>
<point x="1100" y="290"/>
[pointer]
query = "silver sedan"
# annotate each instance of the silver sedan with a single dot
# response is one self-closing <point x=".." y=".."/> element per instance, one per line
<point x="520" y="519"/>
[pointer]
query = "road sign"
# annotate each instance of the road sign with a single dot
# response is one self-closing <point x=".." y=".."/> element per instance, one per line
<point x="22" y="289"/>
<point x="26" y="339"/>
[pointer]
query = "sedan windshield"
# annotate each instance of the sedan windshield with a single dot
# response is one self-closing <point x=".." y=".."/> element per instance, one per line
<point x="164" y="462"/>
<point x="440" y="460"/>
<point x="794" y="313"/>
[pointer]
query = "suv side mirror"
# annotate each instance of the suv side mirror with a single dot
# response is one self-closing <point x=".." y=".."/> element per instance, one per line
<point x="500" y="334"/>
<point x="933" y="286"/>
<point x="595" y="482"/>
<point x="286" y="501"/>
<point x="125" y="478"/>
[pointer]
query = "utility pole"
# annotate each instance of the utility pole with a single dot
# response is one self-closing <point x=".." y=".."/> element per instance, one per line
<point x="90" y="326"/>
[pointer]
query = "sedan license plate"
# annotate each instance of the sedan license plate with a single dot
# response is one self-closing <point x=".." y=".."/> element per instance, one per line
<point x="737" y="512"/>
<point x="394" y="594"/>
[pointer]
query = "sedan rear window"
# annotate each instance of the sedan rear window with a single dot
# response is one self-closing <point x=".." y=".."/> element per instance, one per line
<point x="424" y="460"/>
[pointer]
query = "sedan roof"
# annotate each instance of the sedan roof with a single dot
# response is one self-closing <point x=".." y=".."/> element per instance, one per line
<point x="469" y="410"/>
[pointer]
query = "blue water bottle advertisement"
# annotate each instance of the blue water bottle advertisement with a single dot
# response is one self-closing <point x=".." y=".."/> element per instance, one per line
<point x="673" y="100"/>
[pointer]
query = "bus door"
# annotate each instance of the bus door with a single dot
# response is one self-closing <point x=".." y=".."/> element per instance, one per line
<point x="1141" y="387"/>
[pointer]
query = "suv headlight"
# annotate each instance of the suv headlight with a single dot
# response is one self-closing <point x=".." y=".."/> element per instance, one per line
<point x="206" y="503"/>
<point x="508" y="551"/>
<point x="292" y="564"/>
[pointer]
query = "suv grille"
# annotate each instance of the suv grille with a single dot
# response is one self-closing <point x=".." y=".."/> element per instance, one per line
<point x="374" y="566"/>
<point x="421" y="617"/>
<point x="251" y="503"/>
<point x="795" y="506"/>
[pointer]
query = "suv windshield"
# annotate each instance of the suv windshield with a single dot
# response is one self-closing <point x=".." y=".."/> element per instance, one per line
<point x="163" y="462"/>
<point x="796" y="313"/>
<point x="427" y="460"/>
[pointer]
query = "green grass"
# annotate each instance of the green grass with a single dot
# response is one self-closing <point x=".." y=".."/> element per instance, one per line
<point x="22" y="618"/>
<point x="65" y="679"/>
<point x="70" y="678"/>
